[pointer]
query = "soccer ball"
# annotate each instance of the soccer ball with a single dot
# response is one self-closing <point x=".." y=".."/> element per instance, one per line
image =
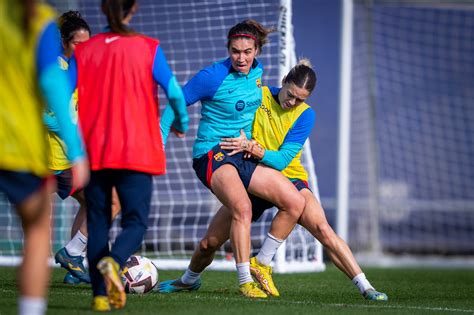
<point x="139" y="275"/>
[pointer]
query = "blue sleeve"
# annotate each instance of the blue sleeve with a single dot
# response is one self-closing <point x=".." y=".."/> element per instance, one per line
<point x="72" y="73"/>
<point x="49" y="48"/>
<point x="166" y="121"/>
<point x="201" y="87"/>
<point x="161" y="70"/>
<point x="50" y="122"/>
<point x="164" y="77"/>
<point x="280" y="159"/>
<point x="55" y="87"/>
<point x="302" y="127"/>
<point x="293" y="142"/>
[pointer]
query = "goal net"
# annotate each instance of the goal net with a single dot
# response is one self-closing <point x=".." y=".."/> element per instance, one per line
<point x="192" y="35"/>
<point x="411" y="160"/>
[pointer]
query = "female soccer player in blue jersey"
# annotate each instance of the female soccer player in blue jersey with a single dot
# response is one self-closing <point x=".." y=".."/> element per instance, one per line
<point x="230" y="93"/>
<point x="30" y="76"/>
<point x="281" y="126"/>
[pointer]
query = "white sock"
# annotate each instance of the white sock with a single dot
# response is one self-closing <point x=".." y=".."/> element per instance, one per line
<point x="77" y="244"/>
<point x="243" y="273"/>
<point x="190" y="277"/>
<point x="268" y="249"/>
<point x="362" y="283"/>
<point x="31" y="306"/>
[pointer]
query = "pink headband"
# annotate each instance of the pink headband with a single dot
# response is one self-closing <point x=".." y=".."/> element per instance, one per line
<point x="244" y="35"/>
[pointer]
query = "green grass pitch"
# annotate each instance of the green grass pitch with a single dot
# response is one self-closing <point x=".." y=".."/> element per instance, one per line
<point x="410" y="291"/>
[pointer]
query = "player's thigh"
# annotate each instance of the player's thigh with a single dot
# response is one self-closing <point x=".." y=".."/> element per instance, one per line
<point x="313" y="214"/>
<point x="271" y="185"/>
<point x="229" y="189"/>
<point x="134" y="190"/>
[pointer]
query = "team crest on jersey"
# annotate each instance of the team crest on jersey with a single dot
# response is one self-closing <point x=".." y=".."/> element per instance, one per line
<point x="219" y="156"/>
<point x="62" y="63"/>
<point x="259" y="83"/>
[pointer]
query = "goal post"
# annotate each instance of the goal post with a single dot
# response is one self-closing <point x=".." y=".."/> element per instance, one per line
<point x="193" y="35"/>
<point x="406" y="184"/>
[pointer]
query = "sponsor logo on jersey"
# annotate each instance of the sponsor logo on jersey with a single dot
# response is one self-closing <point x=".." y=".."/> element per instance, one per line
<point x="254" y="103"/>
<point x="240" y="105"/>
<point x="267" y="111"/>
<point x="219" y="156"/>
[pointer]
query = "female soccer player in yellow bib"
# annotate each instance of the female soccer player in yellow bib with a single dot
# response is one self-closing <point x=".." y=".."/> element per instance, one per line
<point x="282" y="124"/>
<point x="30" y="78"/>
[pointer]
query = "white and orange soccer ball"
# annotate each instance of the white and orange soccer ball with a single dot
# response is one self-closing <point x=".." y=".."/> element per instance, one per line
<point x="139" y="275"/>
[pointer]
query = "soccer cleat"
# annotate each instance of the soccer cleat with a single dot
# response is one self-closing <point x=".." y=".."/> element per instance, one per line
<point x="70" y="279"/>
<point x="73" y="264"/>
<point x="263" y="274"/>
<point x="172" y="286"/>
<point x="100" y="303"/>
<point x="110" y="270"/>
<point x="373" y="295"/>
<point x="251" y="290"/>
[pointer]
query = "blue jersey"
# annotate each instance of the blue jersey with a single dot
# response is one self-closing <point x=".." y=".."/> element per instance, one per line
<point x="229" y="100"/>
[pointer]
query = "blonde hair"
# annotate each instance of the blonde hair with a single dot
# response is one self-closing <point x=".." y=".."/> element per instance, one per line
<point x="305" y="62"/>
<point x="302" y="75"/>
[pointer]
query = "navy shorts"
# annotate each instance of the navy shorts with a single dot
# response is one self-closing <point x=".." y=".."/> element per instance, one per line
<point x="18" y="186"/>
<point x="64" y="183"/>
<point x="259" y="205"/>
<point x="207" y="164"/>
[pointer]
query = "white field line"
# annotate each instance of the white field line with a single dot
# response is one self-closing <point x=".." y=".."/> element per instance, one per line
<point x="377" y="305"/>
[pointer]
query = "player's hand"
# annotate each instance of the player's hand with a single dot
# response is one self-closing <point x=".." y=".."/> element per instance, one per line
<point x="181" y="123"/>
<point x="237" y="145"/>
<point x="80" y="173"/>
<point x="248" y="155"/>
<point x="177" y="133"/>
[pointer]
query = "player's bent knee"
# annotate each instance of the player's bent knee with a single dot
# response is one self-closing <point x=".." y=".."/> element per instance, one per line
<point x="242" y="213"/>
<point x="295" y="205"/>
<point x="209" y="245"/>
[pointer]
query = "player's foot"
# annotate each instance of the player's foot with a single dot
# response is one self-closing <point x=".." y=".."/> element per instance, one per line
<point x="172" y="286"/>
<point x="251" y="290"/>
<point x="109" y="269"/>
<point x="373" y="295"/>
<point x="73" y="264"/>
<point x="100" y="303"/>
<point x="263" y="274"/>
<point x="70" y="279"/>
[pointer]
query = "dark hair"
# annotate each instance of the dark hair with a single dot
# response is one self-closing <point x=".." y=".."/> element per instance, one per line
<point x="302" y="75"/>
<point x="250" y="29"/>
<point x="116" y="11"/>
<point x="69" y="23"/>
<point x="28" y="7"/>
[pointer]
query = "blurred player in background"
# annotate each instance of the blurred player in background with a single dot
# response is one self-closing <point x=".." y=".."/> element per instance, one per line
<point x="74" y="30"/>
<point x="29" y="46"/>
<point x="118" y="71"/>
<point x="230" y="93"/>
<point x="282" y="124"/>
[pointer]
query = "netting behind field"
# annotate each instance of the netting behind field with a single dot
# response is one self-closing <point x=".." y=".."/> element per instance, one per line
<point x="192" y="35"/>
<point x="412" y="127"/>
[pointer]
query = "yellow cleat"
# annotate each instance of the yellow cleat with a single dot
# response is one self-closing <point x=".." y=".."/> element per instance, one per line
<point x="251" y="290"/>
<point x="263" y="274"/>
<point x="109" y="269"/>
<point x="100" y="303"/>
